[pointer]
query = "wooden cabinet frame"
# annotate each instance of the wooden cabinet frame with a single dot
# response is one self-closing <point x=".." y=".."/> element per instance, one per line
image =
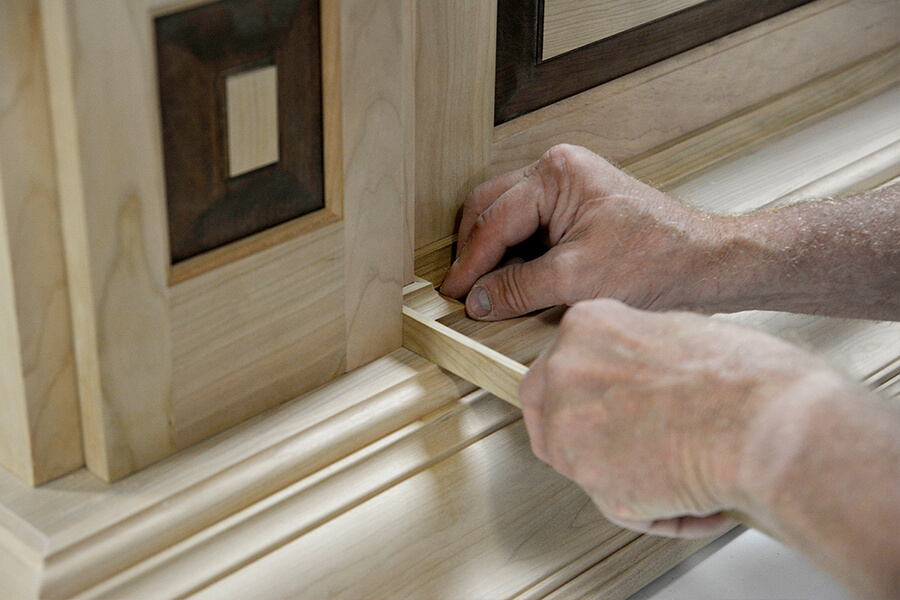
<point x="399" y="478"/>
<point x="162" y="367"/>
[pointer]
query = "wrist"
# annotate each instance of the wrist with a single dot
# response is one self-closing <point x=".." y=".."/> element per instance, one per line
<point x="784" y="432"/>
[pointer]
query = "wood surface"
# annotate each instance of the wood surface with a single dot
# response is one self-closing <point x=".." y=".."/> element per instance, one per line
<point x="238" y="331"/>
<point x="673" y="98"/>
<point x="524" y="83"/>
<point x="685" y="156"/>
<point x="375" y="36"/>
<point x="39" y="415"/>
<point x="454" y="109"/>
<point x="394" y="480"/>
<point x="571" y="24"/>
<point x="198" y="51"/>
<point x="251" y="110"/>
<point x="112" y="192"/>
<point x="462" y="356"/>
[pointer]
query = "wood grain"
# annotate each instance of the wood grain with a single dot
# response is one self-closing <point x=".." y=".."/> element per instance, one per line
<point x="41" y="421"/>
<point x="571" y="24"/>
<point x="454" y="109"/>
<point x="114" y="228"/>
<point x="251" y="108"/>
<point x="486" y="368"/>
<point x="524" y="84"/>
<point x="654" y="106"/>
<point x="374" y="38"/>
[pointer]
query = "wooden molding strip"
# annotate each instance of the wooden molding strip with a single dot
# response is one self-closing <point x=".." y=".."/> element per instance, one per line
<point x="486" y="368"/>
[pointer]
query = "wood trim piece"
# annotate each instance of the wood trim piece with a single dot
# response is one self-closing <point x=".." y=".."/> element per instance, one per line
<point x="525" y="83"/>
<point x="114" y="229"/>
<point x="39" y="413"/>
<point x="658" y="104"/>
<point x="454" y="109"/>
<point x="486" y="368"/>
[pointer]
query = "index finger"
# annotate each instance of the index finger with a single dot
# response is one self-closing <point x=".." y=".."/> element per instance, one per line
<point x="482" y="197"/>
<point x="512" y="219"/>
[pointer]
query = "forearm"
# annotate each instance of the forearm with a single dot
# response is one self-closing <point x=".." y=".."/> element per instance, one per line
<point x="822" y="472"/>
<point x="830" y="257"/>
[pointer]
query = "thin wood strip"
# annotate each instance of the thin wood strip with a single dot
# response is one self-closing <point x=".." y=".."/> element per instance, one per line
<point x="475" y="362"/>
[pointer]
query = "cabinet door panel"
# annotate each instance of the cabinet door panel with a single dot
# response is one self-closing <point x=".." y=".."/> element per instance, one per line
<point x="173" y="355"/>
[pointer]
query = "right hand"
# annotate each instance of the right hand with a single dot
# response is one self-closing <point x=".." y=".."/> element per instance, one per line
<point x="610" y="236"/>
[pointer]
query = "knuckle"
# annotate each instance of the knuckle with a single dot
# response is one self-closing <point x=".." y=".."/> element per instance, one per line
<point x="511" y="289"/>
<point x="566" y="272"/>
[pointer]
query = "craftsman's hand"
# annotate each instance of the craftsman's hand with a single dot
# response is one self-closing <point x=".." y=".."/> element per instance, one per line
<point x="652" y="414"/>
<point x="609" y="235"/>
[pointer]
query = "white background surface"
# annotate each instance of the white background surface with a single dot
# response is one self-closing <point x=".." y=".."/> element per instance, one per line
<point x="744" y="564"/>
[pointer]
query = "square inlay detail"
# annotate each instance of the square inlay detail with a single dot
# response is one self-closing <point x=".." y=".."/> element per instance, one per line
<point x="240" y="94"/>
<point x="251" y="106"/>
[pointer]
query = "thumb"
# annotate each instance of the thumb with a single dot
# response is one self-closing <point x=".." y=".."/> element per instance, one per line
<point x="514" y="290"/>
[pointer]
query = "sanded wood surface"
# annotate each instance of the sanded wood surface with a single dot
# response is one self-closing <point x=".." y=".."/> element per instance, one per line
<point x="571" y="24"/>
<point x="486" y="368"/>
<point x="111" y="184"/>
<point x="39" y="415"/>
<point x="376" y="100"/>
<point x="242" y="327"/>
<point x="454" y="109"/>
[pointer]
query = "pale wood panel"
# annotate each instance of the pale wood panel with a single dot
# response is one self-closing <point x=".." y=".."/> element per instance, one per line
<point x="47" y="439"/>
<point x="647" y="108"/>
<point x="15" y="445"/>
<point x="454" y="109"/>
<point x="375" y="102"/>
<point x="252" y="333"/>
<point x="571" y="24"/>
<point x="115" y="173"/>
<point x="251" y="110"/>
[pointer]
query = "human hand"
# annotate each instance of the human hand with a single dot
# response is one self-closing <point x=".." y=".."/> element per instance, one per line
<point x="610" y="236"/>
<point x="653" y="414"/>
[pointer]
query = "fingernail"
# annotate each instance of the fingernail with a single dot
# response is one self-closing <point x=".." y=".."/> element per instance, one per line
<point x="479" y="303"/>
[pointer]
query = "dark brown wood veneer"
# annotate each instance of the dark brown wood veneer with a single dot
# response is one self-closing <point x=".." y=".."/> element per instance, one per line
<point x="525" y="83"/>
<point x="196" y="50"/>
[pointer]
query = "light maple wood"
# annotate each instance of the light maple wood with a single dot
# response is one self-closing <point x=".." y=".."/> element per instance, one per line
<point x="238" y="331"/>
<point x="660" y="103"/>
<point x="571" y="24"/>
<point x="486" y="368"/>
<point x="39" y="414"/>
<point x="251" y="112"/>
<point x="375" y="102"/>
<point x="454" y="109"/>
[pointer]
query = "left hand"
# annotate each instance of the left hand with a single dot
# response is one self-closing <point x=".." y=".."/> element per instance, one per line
<point x="651" y="413"/>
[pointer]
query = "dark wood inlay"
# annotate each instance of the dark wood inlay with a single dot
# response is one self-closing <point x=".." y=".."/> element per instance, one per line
<point x="525" y="83"/>
<point x="196" y="50"/>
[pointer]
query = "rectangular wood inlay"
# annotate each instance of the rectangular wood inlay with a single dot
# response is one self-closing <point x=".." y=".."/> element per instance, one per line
<point x="241" y="104"/>
<point x="571" y="24"/>
<point x="251" y="105"/>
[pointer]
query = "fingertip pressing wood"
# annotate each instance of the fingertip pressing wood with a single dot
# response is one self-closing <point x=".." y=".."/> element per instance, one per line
<point x="461" y="355"/>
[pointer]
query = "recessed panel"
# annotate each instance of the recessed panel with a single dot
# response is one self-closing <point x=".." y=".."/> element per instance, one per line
<point x="241" y="106"/>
